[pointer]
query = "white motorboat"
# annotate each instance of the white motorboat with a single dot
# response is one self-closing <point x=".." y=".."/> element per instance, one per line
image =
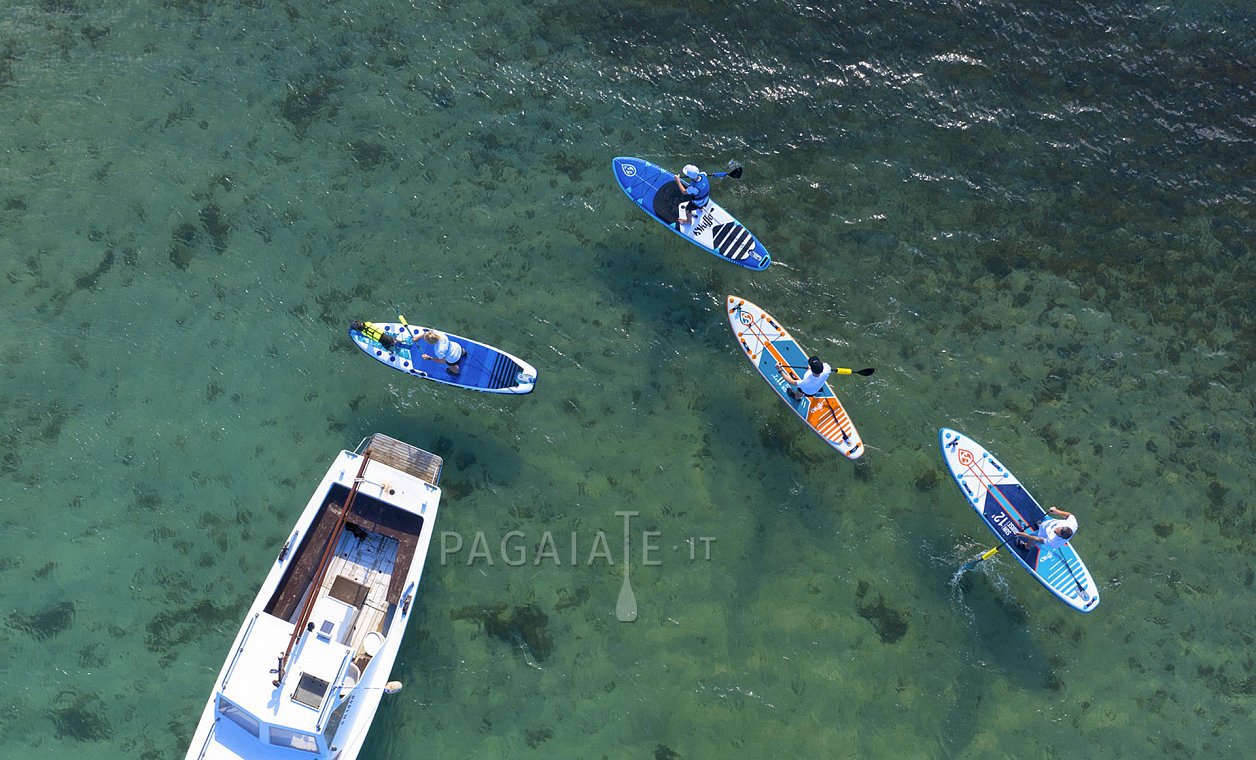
<point x="312" y="660"/>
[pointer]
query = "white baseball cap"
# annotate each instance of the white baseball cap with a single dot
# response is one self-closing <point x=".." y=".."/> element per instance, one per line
<point x="690" y="171"/>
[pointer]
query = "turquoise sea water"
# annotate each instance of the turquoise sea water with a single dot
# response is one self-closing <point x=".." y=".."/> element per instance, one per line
<point x="1034" y="219"/>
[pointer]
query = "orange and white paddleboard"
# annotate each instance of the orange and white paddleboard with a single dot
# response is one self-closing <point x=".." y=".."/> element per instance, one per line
<point x="768" y="344"/>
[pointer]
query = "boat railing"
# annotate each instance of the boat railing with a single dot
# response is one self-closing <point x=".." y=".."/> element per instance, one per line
<point x="402" y="456"/>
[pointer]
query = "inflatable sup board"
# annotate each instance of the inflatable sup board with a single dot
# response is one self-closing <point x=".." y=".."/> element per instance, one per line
<point x="481" y="368"/>
<point x="1006" y="507"/>
<point x="766" y="344"/>
<point x="654" y="190"/>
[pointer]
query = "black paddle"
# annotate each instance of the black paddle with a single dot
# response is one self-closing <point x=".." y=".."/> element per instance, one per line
<point x="1080" y="590"/>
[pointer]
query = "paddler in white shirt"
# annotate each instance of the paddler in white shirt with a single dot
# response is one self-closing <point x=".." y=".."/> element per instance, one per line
<point x="1052" y="534"/>
<point x="812" y="380"/>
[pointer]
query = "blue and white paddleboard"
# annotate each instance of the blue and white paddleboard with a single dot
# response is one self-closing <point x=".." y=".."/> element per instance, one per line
<point x="482" y="367"/>
<point x="1006" y="507"/>
<point x="654" y="190"/>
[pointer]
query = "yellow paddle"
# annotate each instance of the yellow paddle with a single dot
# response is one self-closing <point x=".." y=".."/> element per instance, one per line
<point x="844" y="370"/>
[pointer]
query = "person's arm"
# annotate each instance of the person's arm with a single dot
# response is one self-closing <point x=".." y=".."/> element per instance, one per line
<point x="681" y="185"/>
<point x="1060" y="512"/>
<point x="1029" y="536"/>
<point x="789" y="377"/>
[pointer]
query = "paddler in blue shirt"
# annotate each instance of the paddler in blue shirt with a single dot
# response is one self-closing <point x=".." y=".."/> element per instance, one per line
<point x="698" y="191"/>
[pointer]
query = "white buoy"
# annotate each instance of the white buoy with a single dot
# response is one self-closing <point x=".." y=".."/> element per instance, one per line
<point x="392" y="687"/>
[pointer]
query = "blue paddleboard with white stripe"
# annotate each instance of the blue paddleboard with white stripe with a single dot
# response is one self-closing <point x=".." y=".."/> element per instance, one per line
<point x="1006" y="507"/>
<point x="481" y="368"/>
<point x="654" y="190"/>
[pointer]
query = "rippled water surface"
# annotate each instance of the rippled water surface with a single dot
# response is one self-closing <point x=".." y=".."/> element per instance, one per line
<point x="1033" y="219"/>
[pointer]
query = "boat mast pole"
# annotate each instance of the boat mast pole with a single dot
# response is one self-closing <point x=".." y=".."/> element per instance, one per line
<point x="323" y="563"/>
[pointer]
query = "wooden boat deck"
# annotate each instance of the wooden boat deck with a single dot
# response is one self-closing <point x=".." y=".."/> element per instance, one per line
<point x="369" y="515"/>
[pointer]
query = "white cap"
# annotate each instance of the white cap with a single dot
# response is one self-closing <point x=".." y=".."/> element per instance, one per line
<point x="690" y="171"/>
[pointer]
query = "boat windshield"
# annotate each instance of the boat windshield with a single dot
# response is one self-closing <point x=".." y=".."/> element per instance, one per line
<point x="283" y="737"/>
<point x="239" y="717"/>
<point x="276" y="735"/>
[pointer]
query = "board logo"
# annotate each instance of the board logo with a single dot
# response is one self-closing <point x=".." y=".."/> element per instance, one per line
<point x="628" y="169"/>
<point x="744" y="318"/>
<point x="966" y="457"/>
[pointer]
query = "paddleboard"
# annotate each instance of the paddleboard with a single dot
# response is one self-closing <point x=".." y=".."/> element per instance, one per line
<point x="766" y="344"/>
<point x="481" y="368"/>
<point x="1006" y="507"/>
<point x="654" y="190"/>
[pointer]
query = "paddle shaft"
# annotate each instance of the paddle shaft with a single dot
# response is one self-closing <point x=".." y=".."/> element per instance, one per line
<point x="844" y="370"/>
<point x="1080" y="589"/>
<point x="991" y="552"/>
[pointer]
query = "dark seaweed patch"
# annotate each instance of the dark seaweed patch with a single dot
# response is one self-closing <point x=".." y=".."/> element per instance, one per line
<point x="169" y="631"/>
<point x="94" y="34"/>
<point x="368" y="155"/>
<point x="80" y="717"/>
<point x="524" y="626"/>
<point x="927" y="480"/>
<point x="568" y="599"/>
<point x="331" y="304"/>
<point x="537" y="735"/>
<point x="457" y="489"/>
<point x="890" y="624"/>
<point x="307" y="101"/>
<point x="216" y="226"/>
<point x="46" y="623"/>
<point x="88" y="280"/>
<point x="146" y="499"/>
<point x="181" y="241"/>
<point x="91" y="656"/>
<point x="664" y="752"/>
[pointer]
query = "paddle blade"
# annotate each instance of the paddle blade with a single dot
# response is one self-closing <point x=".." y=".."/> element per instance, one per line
<point x="626" y="605"/>
<point x="735" y="173"/>
<point x="866" y="372"/>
